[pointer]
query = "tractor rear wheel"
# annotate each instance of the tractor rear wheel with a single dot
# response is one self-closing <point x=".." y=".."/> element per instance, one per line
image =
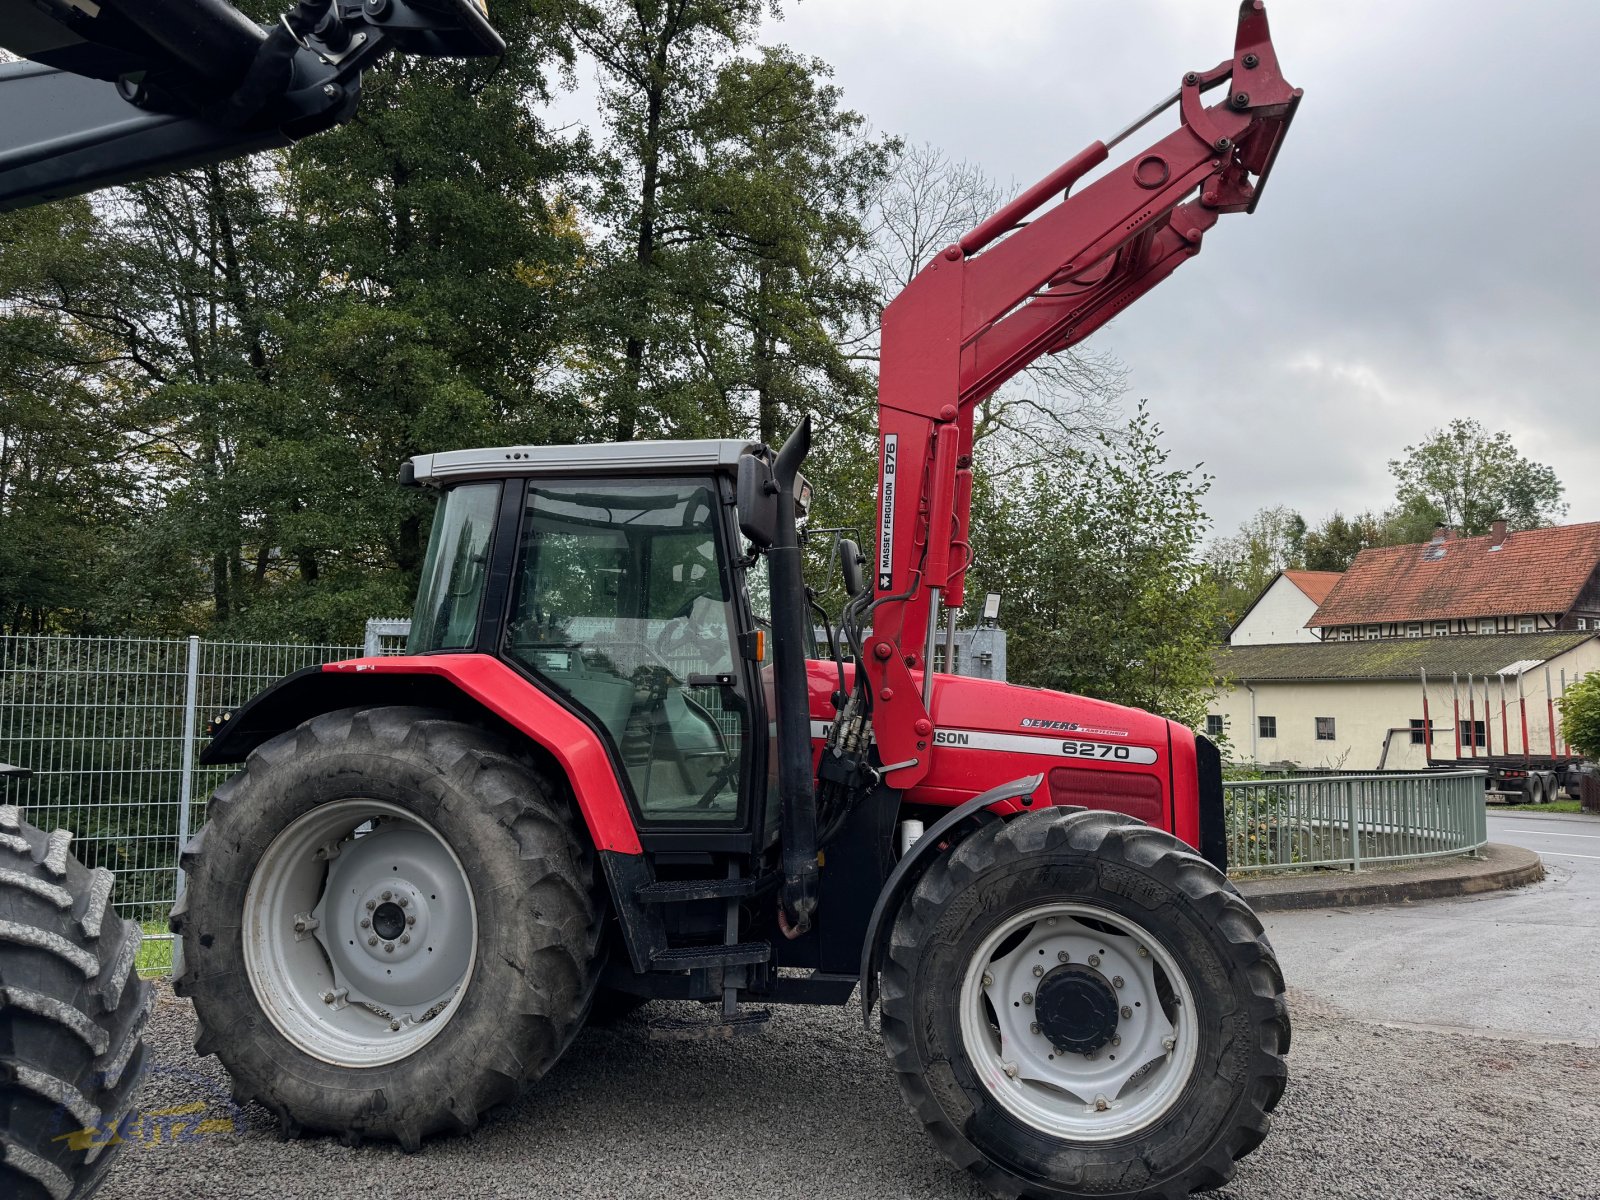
<point x="1077" y="1004"/>
<point x="72" y="1017"/>
<point x="392" y="924"/>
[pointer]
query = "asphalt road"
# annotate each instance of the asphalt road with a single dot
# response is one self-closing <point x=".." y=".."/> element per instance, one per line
<point x="1428" y="1062"/>
<point x="1524" y="963"/>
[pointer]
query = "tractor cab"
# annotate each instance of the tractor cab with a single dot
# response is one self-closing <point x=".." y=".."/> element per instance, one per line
<point x="613" y="578"/>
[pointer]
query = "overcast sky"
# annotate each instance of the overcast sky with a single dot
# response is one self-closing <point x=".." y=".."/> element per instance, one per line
<point x="1427" y="248"/>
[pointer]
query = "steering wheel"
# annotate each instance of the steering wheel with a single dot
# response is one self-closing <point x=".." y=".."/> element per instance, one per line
<point x="684" y="633"/>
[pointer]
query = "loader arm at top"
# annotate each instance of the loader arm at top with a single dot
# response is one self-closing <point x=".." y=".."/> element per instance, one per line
<point x="119" y="90"/>
<point x="1012" y="290"/>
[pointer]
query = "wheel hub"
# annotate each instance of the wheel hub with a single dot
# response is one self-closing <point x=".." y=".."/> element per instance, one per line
<point x="1076" y="1009"/>
<point x="394" y="919"/>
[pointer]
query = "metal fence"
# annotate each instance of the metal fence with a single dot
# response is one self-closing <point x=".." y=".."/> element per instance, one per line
<point x="1352" y="820"/>
<point x="111" y="728"/>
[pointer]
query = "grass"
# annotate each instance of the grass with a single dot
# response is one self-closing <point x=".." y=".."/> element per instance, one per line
<point x="155" y="956"/>
<point x="1555" y="806"/>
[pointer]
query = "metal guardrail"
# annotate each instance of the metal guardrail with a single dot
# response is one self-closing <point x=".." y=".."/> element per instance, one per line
<point x="1351" y="821"/>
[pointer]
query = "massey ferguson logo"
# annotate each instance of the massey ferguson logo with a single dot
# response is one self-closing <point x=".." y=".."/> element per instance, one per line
<point x="891" y="457"/>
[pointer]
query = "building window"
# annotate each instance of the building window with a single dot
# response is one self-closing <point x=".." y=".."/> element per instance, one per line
<point x="1486" y="625"/>
<point x="1419" y="732"/>
<point x="1345" y="635"/>
<point x="1441" y="628"/>
<point x="1581" y="625"/>
<point x="1372" y="633"/>
<point x="1213" y="726"/>
<point x="1524" y="624"/>
<point x="1324" y="729"/>
<point x="1474" y="734"/>
<point x="1414" y="629"/>
<point x="1267" y="727"/>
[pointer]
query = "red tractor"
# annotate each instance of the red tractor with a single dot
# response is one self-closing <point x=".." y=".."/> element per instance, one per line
<point x="616" y="766"/>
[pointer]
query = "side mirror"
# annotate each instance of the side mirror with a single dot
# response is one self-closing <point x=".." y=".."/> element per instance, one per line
<point x="851" y="561"/>
<point x="757" y="497"/>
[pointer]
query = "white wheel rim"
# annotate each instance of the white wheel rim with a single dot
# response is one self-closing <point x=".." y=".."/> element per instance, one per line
<point x="348" y="993"/>
<point x="1122" y="1086"/>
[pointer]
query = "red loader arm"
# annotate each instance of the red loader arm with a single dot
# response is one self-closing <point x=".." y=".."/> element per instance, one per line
<point x="1012" y="290"/>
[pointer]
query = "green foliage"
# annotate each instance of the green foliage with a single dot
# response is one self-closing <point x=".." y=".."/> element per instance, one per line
<point x="1468" y="478"/>
<point x="1097" y="558"/>
<point x="1580" y="716"/>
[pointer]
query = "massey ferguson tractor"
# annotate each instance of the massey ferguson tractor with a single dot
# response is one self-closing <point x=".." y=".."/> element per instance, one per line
<point x="615" y="765"/>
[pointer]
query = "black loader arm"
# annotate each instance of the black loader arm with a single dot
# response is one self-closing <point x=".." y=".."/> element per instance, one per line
<point x="110" y="91"/>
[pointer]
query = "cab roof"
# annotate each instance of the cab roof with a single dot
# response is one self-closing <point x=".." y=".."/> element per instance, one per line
<point x="603" y="458"/>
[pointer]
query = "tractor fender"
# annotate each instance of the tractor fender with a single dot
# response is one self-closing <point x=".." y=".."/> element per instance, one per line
<point x="910" y="868"/>
<point x="472" y="684"/>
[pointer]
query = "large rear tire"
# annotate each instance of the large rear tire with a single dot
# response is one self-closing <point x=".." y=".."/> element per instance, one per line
<point x="392" y="924"/>
<point x="72" y="1016"/>
<point x="1076" y="1004"/>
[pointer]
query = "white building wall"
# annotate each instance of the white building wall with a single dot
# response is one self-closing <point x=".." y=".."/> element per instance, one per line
<point x="1364" y="711"/>
<point x="1279" y="616"/>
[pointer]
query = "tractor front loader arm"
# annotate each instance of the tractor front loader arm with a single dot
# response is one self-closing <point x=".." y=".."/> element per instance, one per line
<point x="1026" y="283"/>
<point x="124" y="89"/>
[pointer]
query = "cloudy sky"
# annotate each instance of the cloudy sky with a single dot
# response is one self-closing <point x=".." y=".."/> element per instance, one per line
<point x="1427" y="248"/>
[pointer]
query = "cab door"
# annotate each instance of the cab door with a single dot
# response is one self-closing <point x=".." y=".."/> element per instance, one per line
<point x="625" y="603"/>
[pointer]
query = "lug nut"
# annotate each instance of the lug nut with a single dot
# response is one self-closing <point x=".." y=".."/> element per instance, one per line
<point x="388" y="895"/>
<point x="394" y="1026"/>
<point x="372" y="941"/>
<point x="988" y="979"/>
<point x="1027" y="997"/>
<point x="1094" y="960"/>
<point x="371" y="904"/>
<point x="1116" y="1041"/>
<point x="1116" y="981"/>
<point x="413" y="921"/>
<point x="1034" y="1028"/>
<point x="1168" y="1043"/>
<point x="405" y="939"/>
<point x="1143" y="953"/>
<point x="366" y="922"/>
<point x="1090" y="1056"/>
<point x="1049" y="920"/>
<point x="1038" y="971"/>
<point x="327" y="997"/>
<point x="1011" y="1070"/>
<point x="405" y="901"/>
<point x="1063" y="956"/>
<point x="1101" y="1104"/>
<point x="1126" y="1012"/>
<point x="388" y="947"/>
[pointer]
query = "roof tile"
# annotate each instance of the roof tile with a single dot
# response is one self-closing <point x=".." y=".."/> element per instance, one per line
<point x="1393" y="658"/>
<point x="1534" y="571"/>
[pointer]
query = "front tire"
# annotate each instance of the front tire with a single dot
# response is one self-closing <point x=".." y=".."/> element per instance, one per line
<point x="1077" y="1004"/>
<point x="392" y="924"/>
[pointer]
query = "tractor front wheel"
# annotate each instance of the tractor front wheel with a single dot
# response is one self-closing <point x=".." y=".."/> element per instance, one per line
<point x="392" y="923"/>
<point x="1076" y="1004"/>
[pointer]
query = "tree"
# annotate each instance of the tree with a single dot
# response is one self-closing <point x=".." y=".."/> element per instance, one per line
<point x="1098" y="560"/>
<point x="1468" y="478"/>
<point x="1580" y="715"/>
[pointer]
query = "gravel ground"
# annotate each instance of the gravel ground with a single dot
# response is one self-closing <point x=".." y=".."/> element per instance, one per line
<point x="809" y="1109"/>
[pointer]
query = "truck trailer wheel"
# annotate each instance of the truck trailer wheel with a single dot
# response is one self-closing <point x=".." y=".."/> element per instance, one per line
<point x="72" y="1016"/>
<point x="1076" y="1004"/>
<point x="392" y="924"/>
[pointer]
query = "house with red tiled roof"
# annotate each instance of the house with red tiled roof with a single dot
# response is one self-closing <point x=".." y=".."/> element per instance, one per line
<point x="1452" y="648"/>
<point x="1533" y="581"/>
<point x="1281" y="612"/>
